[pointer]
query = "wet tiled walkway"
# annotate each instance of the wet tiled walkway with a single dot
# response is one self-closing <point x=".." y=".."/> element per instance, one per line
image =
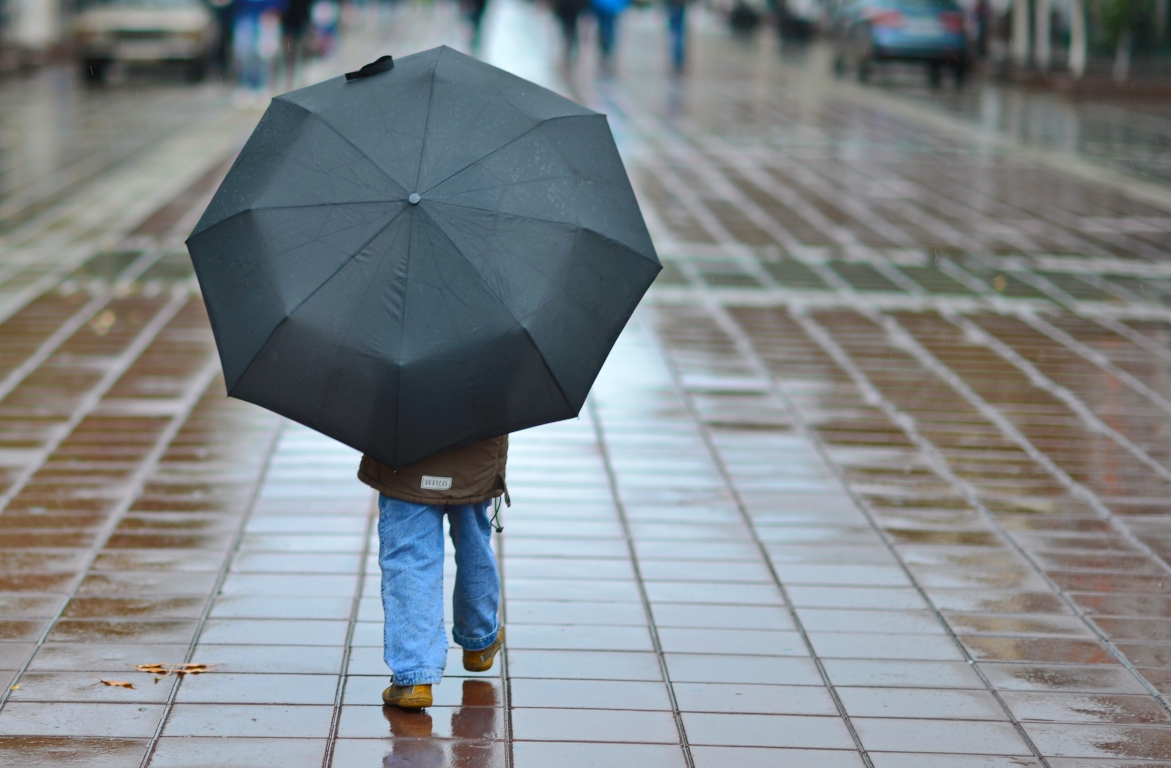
<point x="876" y="477"/>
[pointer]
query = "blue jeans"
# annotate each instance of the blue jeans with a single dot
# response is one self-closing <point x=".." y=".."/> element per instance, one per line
<point x="410" y="553"/>
<point x="607" y="30"/>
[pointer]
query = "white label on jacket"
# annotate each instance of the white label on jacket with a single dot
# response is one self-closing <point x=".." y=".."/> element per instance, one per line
<point x="436" y="483"/>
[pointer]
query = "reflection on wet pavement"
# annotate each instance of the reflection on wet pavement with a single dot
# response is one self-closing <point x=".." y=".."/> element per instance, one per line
<point x="877" y="476"/>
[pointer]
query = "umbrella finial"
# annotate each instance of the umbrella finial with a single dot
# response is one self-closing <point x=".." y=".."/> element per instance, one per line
<point x="414" y="198"/>
<point x="376" y="67"/>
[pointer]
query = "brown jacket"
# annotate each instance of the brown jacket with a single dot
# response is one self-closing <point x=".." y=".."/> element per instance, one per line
<point x="466" y="475"/>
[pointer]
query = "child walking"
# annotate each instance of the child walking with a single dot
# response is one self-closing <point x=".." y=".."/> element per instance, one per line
<point x="412" y="502"/>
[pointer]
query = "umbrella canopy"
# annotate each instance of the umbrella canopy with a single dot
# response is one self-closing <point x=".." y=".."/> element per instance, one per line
<point x="430" y="254"/>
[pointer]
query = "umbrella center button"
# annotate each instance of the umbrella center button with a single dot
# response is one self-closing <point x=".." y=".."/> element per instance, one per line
<point x="414" y="198"/>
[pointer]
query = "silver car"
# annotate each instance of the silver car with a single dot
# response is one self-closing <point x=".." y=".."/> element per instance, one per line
<point x="145" y="32"/>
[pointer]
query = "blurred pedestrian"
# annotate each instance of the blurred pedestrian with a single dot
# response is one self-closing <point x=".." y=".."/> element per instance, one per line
<point x="568" y="12"/>
<point x="473" y="11"/>
<point x="607" y="12"/>
<point x="295" y="23"/>
<point x="412" y="502"/>
<point x="256" y="40"/>
<point x="223" y="52"/>
<point x="324" y="16"/>
<point x="677" y="30"/>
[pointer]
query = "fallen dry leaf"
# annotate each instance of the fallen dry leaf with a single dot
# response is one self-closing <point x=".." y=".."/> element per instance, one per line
<point x="163" y="671"/>
<point x="15" y="688"/>
<point x="117" y="684"/>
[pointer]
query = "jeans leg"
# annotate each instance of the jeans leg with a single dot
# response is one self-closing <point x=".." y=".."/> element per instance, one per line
<point x="677" y="23"/>
<point x="410" y="552"/>
<point x="606" y="23"/>
<point x="477" y="582"/>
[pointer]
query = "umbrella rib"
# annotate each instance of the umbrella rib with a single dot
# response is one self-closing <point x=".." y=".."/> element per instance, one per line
<point x="355" y="147"/>
<point x="427" y="122"/>
<point x="505" y="145"/>
<point x="313" y="293"/>
<point x="508" y="309"/>
<point x="547" y="221"/>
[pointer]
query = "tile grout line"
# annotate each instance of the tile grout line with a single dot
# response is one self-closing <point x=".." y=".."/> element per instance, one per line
<point x="73" y="323"/>
<point x="732" y="328"/>
<point x="943" y="467"/>
<point x="750" y="524"/>
<point x="929" y="361"/>
<point x="880" y="316"/>
<point x="221" y="577"/>
<point x="149" y="464"/>
<point x="652" y="628"/>
<point x="121" y="364"/>
<point x="347" y="649"/>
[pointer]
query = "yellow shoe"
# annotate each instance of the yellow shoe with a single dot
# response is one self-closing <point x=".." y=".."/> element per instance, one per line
<point x="408" y="696"/>
<point x="481" y="661"/>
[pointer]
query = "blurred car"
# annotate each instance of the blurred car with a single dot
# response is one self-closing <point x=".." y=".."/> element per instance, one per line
<point x="183" y="32"/>
<point x="867" y="32"/>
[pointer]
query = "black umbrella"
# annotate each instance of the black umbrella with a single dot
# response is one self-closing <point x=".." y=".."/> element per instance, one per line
<point x="422" y="255"/>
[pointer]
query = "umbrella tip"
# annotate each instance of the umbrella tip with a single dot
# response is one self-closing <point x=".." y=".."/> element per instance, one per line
<point x="414" y="198"/>
<point x="376" y="67"/>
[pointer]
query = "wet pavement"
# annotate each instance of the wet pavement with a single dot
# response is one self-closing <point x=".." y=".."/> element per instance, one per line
<point x="877" y="476"/>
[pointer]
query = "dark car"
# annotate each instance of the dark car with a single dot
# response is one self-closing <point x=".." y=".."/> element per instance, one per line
<point x="867" y="32"/>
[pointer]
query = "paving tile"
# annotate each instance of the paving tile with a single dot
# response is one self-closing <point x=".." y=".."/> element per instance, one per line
<point x="599" y="569"/>
<point x="1106" y="741"/>
<point x="766" y="670"/>
<point x="861" y="645"/>
<point x="569" y="589"/>
<point x="704" y="592"/>
<point x="722" y="616"/>
<point x="103" y="657"/>
<point x="908" y="735"/>
<point x="557" y="637"/>
<point x="743" y="730"/>
<point x="202" y="752"/>
<point x="227" y="688"/>
<point x="290" y="584"/>
<point x="856" y="597"/>
<point x="584" y="665"/>
<point x="1058" y="677"/>
<point x="377" y="721"/>
<point x="936" y="760"/>
<point x="606" y="725"/>
<point x="273" y="632"/>
<point x="536" y="754"/>
<point x="278" y="607"/>
<point x="419" y="751"/>
<point x="921" y="703"/>
<point x="273" y="659"/>
<point x="754" y="699"/>
<point x="71" y="752"/>
<point x="1086" y="708"/>
<point x="902" y="674"/>
<point x="80" y="719"/>
<point x="838" y="574"/>
<point x="88" y="686"/>
<point x="755" y="757"/>
<point x="590" y="694"/>
<point x="574" y="613"/>
<point x="731" y="641"/>
<point x="900" y="622"/>
<point x="255" y="720"/>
